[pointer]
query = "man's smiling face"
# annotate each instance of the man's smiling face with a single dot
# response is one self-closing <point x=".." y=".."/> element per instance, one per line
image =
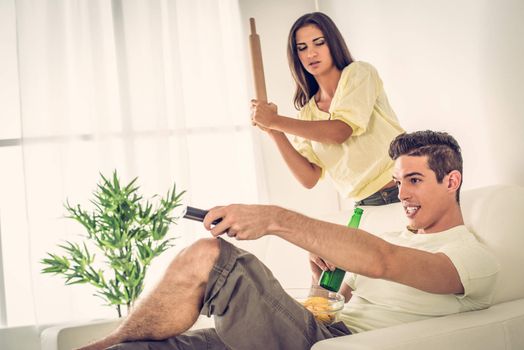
<point x="425" y="201"/>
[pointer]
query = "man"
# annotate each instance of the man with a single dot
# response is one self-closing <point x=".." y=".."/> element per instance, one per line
<point x="435" y="268"/>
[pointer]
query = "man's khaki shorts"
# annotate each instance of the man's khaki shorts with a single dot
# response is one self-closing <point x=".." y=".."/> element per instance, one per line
<point x="251" y="311"/>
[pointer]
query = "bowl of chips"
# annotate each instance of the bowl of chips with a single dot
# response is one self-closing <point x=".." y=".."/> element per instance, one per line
<point x="323" y="304"/>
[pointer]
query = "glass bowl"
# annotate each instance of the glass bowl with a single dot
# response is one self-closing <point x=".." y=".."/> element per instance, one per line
<point x="323" y="304"/>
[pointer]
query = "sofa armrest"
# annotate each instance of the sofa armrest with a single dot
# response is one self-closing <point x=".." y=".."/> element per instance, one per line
<point x="499" y="327"/>
<point x="72" y="335"/>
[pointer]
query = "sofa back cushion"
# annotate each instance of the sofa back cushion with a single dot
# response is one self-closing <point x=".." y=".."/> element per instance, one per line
<point x="495" y="215"/>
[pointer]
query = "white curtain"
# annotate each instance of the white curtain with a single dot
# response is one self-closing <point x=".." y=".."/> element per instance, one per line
<point x="155" y="89"/>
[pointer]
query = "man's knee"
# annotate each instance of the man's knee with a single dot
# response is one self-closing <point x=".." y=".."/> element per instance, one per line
<point x="198" y="259"/>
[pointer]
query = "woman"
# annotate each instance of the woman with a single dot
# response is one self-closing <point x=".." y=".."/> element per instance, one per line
<point x="345" y="122"/>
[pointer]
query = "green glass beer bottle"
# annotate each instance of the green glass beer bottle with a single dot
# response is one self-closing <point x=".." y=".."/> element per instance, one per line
<point x="331" y="280"/>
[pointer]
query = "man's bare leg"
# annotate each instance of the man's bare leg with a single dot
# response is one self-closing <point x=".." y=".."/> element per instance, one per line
<point x="174" y="304"/>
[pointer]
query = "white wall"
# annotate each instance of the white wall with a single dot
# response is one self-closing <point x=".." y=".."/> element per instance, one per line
<point x="449" y="65"/>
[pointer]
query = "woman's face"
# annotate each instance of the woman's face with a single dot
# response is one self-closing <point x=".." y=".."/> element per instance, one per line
<point x="313" y="50"/>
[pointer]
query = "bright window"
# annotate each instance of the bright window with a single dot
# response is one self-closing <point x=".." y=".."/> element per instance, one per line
<point x="154" y="89"/>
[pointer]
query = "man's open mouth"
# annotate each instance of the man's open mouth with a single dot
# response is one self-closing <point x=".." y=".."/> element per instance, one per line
<point x="411" y="210"/>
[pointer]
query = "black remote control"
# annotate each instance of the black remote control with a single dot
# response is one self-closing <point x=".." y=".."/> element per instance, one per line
<point x="197" y="215"/>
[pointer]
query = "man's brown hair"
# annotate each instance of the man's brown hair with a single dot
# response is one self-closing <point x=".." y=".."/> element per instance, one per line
<point x="442" y="150"/>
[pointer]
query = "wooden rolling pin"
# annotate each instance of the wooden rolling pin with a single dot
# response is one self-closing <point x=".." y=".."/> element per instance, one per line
<point x="256" y="63"/>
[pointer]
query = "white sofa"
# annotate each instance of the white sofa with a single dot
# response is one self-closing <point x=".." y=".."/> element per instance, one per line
<point x="495" y="214"/>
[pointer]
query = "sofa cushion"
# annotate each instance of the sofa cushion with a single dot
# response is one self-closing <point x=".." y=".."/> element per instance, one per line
<point x="499" y="327"/>
<point x="495" y="215"/>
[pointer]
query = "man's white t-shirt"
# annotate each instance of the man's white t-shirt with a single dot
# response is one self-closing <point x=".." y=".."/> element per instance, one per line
<point x="378" y="303"/>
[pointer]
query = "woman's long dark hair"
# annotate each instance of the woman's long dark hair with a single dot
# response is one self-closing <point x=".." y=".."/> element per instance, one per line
<point x="307" y="85"/>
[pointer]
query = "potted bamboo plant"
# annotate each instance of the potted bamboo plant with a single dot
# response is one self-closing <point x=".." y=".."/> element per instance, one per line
<point x="124" y="234"/>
